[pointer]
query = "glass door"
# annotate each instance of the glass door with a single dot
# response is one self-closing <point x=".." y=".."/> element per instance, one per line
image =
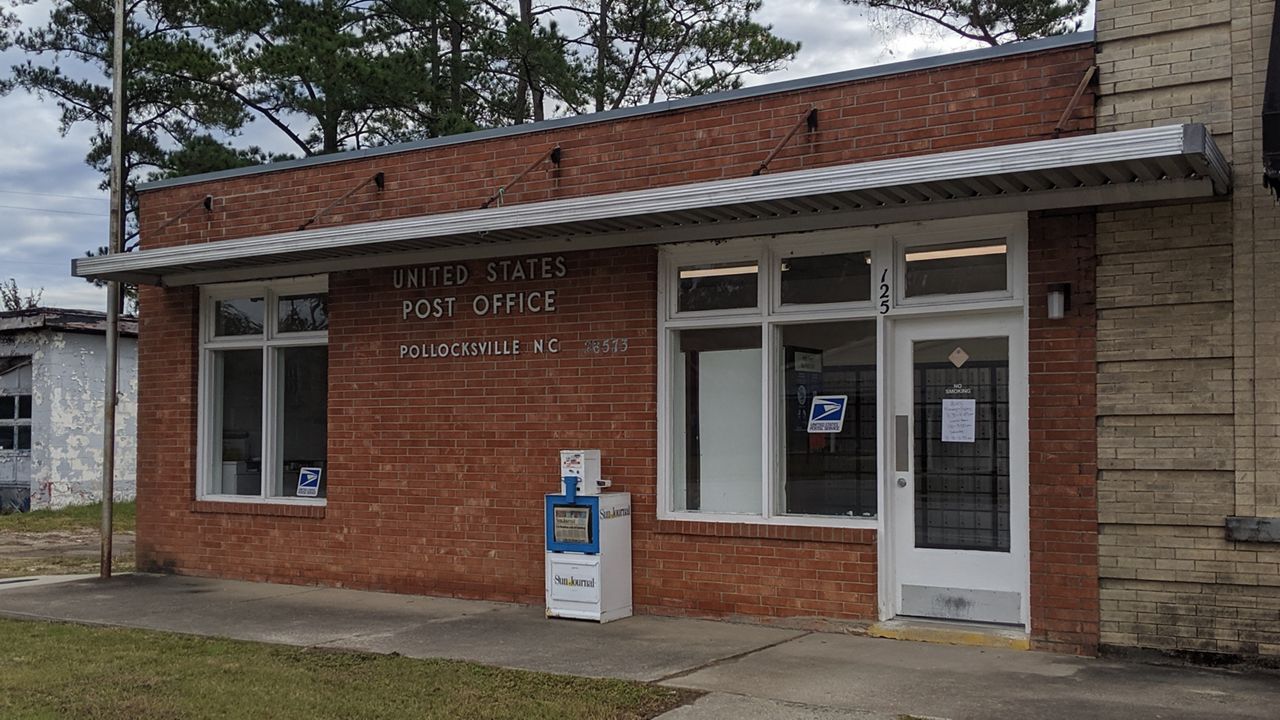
<point x="958" y="486"/>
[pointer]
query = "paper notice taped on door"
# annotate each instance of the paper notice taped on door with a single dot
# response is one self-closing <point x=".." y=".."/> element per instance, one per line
<point x="958" y="420"/>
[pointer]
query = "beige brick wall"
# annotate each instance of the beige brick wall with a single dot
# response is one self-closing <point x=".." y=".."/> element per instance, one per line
<point x="1188" y="343"/>
<point x="1163" y="62"/>
<point x="1257" y="231"/>
<point x="1191" y="616"/>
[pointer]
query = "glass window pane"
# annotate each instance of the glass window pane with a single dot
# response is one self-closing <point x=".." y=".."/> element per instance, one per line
<point x="303" y="313"/>
<point x="238" y="456"/>
<point x="829" y="473"/>
<point x="241" y="316"/>
<point x="8" y="407"/>
<point x="8" y="437"/>
<point x="725" y="286"/>
<point x="302" y="428"/>
<point x="961" y="435"/>
<point x="718" y="420"/>
<point x="956" y="268"/>
<point x="845" y="277"/>
<point x="24" y="407"/>
<point x="24" y="437"/>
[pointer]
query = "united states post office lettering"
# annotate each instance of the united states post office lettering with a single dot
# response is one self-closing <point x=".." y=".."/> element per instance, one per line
<point x="483" y="304"/>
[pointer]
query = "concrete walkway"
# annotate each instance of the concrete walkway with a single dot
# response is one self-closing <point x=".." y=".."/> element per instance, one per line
<point x="748" y="671"/>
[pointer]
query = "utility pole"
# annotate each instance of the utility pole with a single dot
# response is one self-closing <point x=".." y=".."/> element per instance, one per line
<point x="114" y="245"/>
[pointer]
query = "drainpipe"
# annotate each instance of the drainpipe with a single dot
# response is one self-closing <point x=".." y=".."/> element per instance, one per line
<point x="115" y="236"/>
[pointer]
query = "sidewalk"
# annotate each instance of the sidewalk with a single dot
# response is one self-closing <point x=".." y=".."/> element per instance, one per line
<point x="748" y="671"/>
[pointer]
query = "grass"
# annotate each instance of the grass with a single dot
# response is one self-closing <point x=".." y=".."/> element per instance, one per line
<point x="70" y="671"/>
<point x="76" y="517"/>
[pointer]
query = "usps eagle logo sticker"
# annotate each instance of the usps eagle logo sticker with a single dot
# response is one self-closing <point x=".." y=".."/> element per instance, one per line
<point x="826" y="415"/>
<point x="309" y="482"/>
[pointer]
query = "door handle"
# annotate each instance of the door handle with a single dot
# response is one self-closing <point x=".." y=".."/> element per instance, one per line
<point x="902" y="443"/>
<point x="902" y="482"/>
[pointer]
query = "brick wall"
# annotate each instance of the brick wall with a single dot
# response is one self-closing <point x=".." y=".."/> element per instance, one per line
<point x="1063" y="436"/>
<point x="1013" y="99"/>
<point x="1163" y="62"/>
<point x="1186" y="341"/>
<point x="437" y="470"/>
<point x="438" y="467"/>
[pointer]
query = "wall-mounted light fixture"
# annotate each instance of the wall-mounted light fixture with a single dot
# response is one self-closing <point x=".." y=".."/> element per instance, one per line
<point x="1059" y="300"/>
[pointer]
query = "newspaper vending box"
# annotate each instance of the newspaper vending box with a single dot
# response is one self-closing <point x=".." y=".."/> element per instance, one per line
<point x="588" y="543"/>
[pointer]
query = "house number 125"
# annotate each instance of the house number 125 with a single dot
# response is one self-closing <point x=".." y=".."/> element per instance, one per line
<point x="884" y="291"/>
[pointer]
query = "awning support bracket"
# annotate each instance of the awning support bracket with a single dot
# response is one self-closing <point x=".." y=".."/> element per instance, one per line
<point x="554" y="155"/>
<point x="206" y="202"/>
<point x="810" y="121"/>
<point x="379" y="179"/>
<point x="1061" y="127"/>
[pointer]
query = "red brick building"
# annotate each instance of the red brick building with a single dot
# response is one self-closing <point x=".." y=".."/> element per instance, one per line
<point x="923" y="246"/>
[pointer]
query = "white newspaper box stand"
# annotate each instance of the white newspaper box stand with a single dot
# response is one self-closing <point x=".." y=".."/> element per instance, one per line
<point x="588" y="547"/>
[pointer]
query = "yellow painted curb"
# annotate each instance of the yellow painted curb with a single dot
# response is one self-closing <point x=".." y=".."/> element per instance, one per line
<point x="944" y="635"/>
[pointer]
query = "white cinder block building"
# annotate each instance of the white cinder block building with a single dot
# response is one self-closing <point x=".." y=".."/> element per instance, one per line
<point x="52" y="367"/>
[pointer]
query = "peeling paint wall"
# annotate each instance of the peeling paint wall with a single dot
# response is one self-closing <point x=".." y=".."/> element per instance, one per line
<point x="67" y="383"/>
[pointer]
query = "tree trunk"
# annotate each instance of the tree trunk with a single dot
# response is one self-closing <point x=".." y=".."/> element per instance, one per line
<point x="602" y="42"/>
<point x="531" y="74"/>
<point x="329" y="126"/>
<point x="455" y="63"/>
<point x="433" y="29"/>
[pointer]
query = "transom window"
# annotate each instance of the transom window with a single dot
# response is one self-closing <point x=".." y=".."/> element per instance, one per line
<point x="761" y="336"/>
<point x="264" y="391"/>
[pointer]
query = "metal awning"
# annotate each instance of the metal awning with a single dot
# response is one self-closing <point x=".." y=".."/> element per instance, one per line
<point x="1164" y="163"/>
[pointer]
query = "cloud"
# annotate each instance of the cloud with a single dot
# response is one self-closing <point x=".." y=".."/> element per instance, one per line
<point x="835" y="36"/>
<point x="50" y="206"/>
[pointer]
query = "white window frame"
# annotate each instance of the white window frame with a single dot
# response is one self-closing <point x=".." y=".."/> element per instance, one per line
<point x="743" y="250"/>
<point x="1015" y="263"/>
<point x="210" y="399"/>
<point x="887" y="244"/>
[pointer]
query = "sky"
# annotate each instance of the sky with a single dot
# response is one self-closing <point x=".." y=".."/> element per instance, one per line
<point x="52" y="208"/>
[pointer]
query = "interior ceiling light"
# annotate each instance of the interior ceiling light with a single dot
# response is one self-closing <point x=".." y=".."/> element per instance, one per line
<point x="957" y="253"/>
<point x="719" y="271"/>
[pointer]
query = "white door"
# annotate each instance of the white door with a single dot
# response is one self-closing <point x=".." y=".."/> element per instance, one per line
<point x="958" y="468"/>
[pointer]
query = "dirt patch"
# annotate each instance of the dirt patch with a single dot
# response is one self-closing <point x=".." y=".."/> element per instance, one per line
<point x="60" y="543"/>
<point x="60" y="552"/>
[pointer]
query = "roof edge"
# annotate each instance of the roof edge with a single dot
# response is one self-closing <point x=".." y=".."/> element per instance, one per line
<point x="73" y="320"/>
<point x="845" y="76"/>
<point x="569" y="218"/>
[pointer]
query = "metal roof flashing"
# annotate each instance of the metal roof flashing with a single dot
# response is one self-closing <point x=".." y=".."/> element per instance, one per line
<point x="837" y="78"/>
<point x="1143" y="165"/>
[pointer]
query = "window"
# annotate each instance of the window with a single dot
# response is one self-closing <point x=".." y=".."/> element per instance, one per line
<point x="829" y="473"/>
<point x="723" y="286"/>
<point x="760" y="336"/>
<point x="15" y="422"/>
<point x="841" y="277"/>
<point x="265" y="388"/>
<point x="956" y="268"/>
<point x="744" y="363"/>
<point x="15" y="403"/>
<point x="718" y="408"/>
